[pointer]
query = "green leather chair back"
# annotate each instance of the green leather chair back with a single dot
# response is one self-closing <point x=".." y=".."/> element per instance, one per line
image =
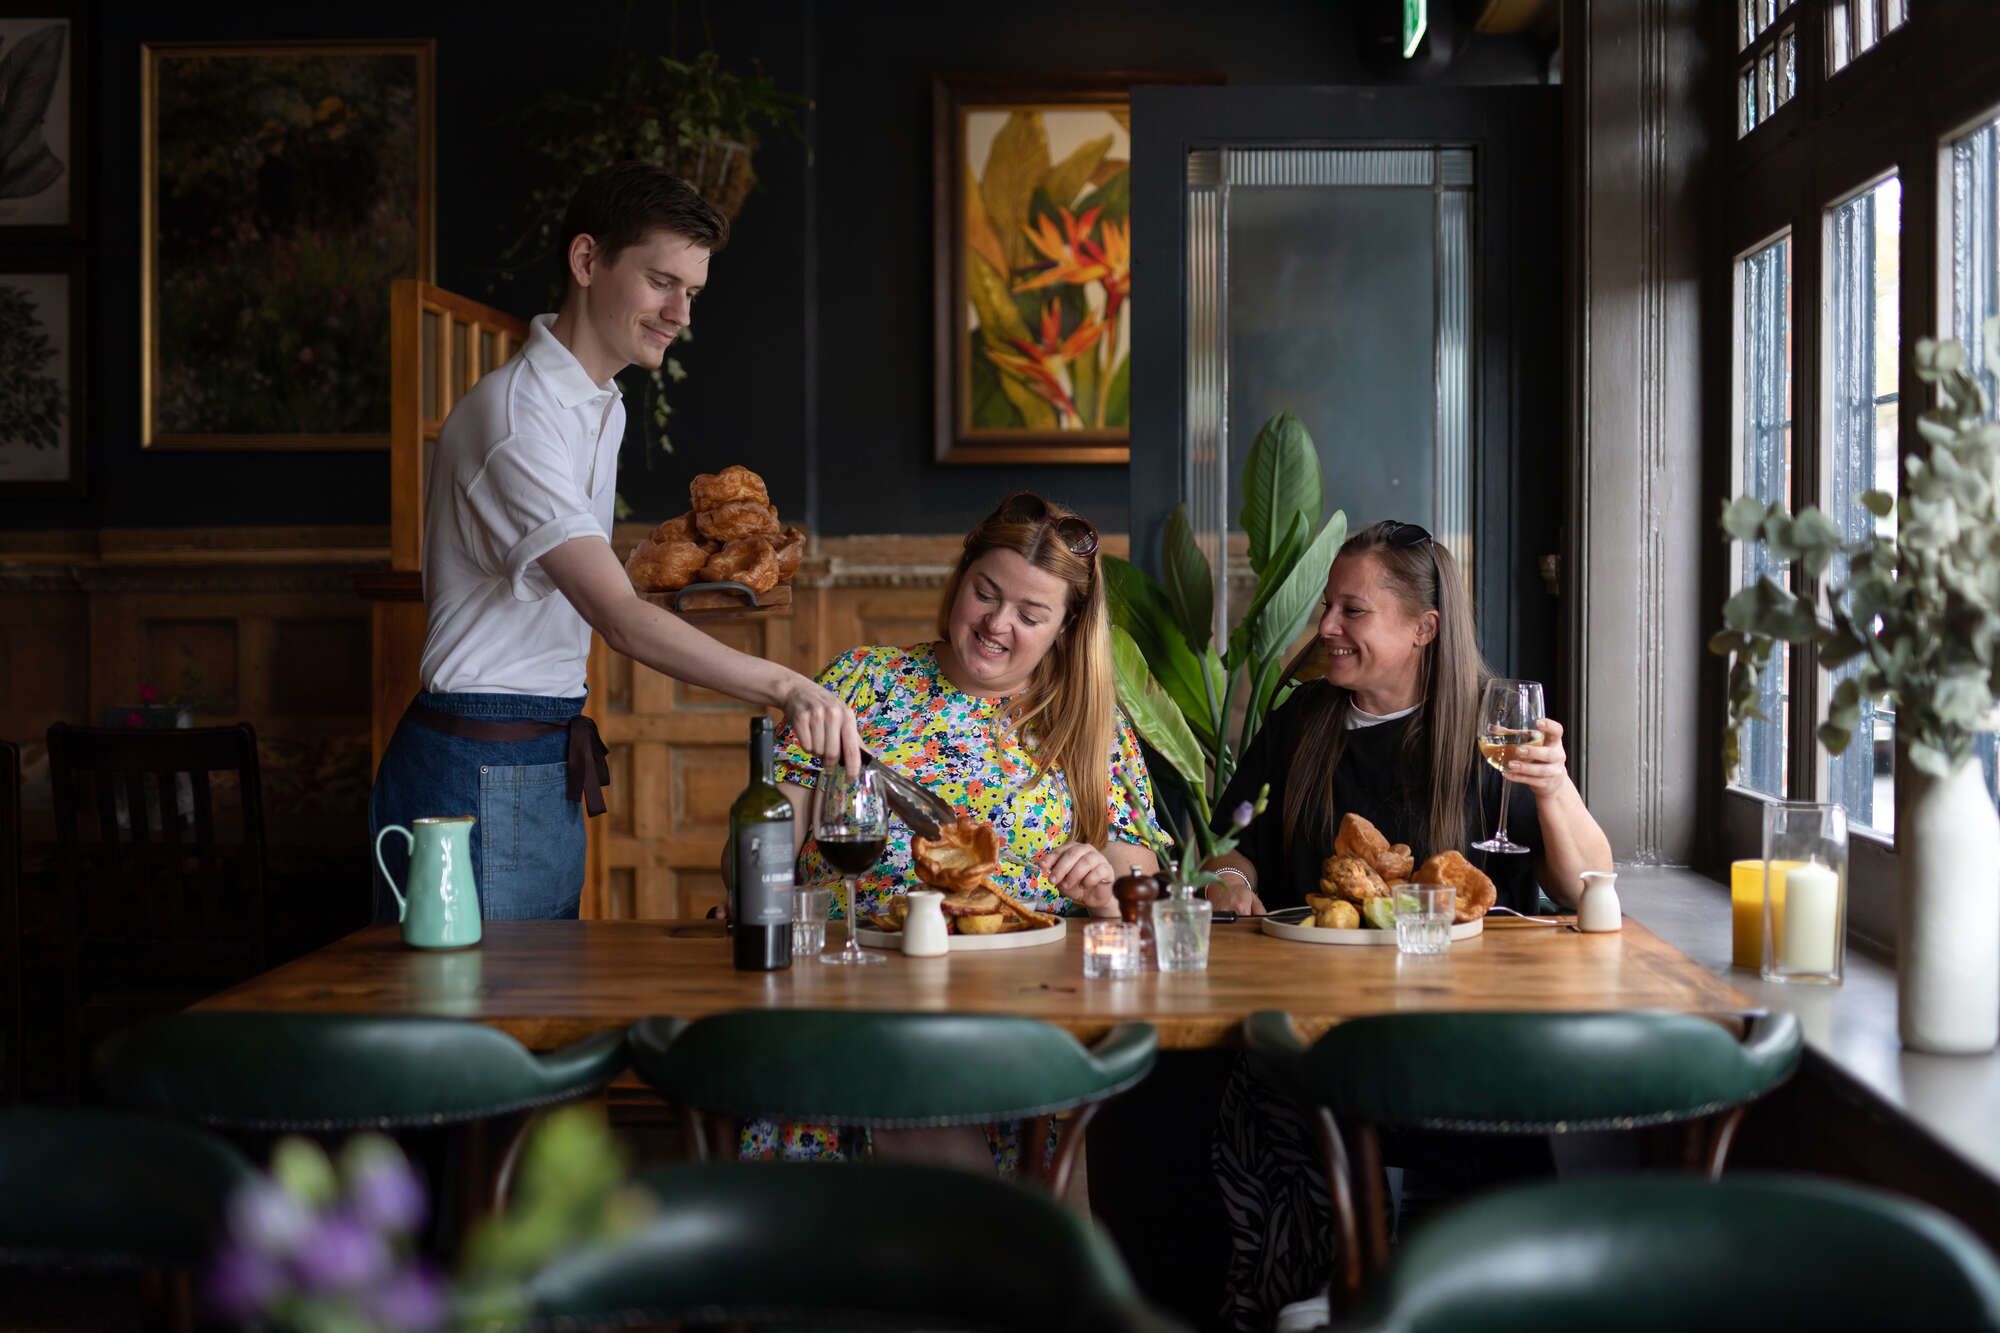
<point x="815" y="1244"/>
<point x="110" y="1188"/>
<point x="263" y="1072"/>
<point x="1525" y="1073"/>
<point x="884" y="1069"/>
<point x="1673" y="1253"/>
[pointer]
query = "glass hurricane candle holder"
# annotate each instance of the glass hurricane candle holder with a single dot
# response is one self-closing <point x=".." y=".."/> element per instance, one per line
<point x="1110" y="949"/>
<point x="1805" y="892"/>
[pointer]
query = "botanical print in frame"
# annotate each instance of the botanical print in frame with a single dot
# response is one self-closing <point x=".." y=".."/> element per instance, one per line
<point x="41" y="377"/>
<point x="285" y="187"/>
<point x="1033" y="269"/>
<point x="41" y="124"/>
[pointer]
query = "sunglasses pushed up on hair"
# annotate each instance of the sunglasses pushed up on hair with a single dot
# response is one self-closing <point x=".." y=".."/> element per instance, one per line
<point x="1073" y="530"/>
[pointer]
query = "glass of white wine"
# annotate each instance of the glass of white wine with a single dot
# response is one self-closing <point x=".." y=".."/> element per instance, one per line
<point x="1509" y="714"/>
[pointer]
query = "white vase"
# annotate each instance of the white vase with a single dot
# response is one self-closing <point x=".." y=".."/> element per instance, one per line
<point x="1948" y="946"/>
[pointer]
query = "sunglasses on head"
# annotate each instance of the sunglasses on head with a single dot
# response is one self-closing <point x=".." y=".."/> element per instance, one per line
<point x="1404" y="535"/>
<point x="1074" y="530"/>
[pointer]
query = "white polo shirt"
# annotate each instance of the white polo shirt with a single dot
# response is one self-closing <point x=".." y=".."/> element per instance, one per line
<point x="525" y="462"/>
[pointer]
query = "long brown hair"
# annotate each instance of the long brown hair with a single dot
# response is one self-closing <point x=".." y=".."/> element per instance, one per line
<point x="1443" y="731"/>
<point x="1067" y="712"/>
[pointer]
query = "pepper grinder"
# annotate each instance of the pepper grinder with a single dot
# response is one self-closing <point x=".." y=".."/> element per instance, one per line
<point x="1135" y="891"/>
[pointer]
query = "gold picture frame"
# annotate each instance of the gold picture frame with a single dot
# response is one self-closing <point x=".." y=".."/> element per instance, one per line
<point x="301" y="181"/>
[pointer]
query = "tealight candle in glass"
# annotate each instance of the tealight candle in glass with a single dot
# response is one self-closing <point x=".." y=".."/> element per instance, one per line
<point x="1805" y="899"/>
<point x="1110" y="949"/>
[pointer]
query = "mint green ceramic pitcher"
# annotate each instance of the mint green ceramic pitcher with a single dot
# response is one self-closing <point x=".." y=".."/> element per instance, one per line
<point x="442" y="909"/>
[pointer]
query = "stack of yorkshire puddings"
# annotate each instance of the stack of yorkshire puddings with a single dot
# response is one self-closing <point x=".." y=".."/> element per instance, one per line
<point x="730" y="536"/>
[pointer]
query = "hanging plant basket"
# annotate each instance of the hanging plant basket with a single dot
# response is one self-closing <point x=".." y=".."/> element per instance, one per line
<point x="718" y="168"/>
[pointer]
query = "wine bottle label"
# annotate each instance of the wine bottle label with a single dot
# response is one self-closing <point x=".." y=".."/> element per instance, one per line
<point x="764" y="874"/>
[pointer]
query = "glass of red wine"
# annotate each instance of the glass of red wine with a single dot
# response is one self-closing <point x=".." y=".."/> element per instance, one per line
<point x="853" y="829"/>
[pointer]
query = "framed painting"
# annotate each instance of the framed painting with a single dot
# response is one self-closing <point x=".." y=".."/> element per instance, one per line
<point x="284" y="187"/>
<point x="1031" y="259"/>
<point x="41" y="124"/>
<point x="41" y="377"/>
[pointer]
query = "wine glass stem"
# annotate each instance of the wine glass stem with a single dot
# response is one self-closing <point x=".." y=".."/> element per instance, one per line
<point x="1500" y="832"/>
<point x="853" y="919"/>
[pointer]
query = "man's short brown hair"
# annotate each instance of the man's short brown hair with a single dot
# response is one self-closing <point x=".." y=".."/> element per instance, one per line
<point x="617" y="206"/>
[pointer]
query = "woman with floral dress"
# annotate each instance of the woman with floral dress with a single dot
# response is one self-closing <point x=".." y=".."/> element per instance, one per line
<point x="1012" y="717"/>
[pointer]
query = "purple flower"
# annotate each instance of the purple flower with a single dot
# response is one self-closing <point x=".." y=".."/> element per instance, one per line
<point x="264" y="1217"/>
<point x="387" y="1195"/>
<point x="412" y="1300"/>
<point x="341" y="1253"/>
<point x="242" y="1283"/>
<point x="149" y="694"/>
<point x="1244" y="814"/>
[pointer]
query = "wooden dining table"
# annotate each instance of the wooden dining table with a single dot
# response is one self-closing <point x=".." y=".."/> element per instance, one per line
<point x="548" y="983"/>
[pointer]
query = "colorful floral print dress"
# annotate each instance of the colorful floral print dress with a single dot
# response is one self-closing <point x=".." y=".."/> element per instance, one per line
<point x="913" y="718"/>
<point x="916" y="721"/>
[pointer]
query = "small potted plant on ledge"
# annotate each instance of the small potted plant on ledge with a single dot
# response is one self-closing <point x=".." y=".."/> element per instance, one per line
<point x="1916" y="618"/>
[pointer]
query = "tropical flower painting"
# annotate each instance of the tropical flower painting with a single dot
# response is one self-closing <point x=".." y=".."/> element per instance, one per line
<point x="289" y="187"/>
<point x="1045" y="265"/>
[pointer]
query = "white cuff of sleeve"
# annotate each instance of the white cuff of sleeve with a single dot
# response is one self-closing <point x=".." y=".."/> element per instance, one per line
<point x="525" y="578"/>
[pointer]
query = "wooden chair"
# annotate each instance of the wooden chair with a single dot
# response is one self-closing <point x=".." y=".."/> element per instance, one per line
<point x="164" y="885"/>
<point x="10" y="902"/>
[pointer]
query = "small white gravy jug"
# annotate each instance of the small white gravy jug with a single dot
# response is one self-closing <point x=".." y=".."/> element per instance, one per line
<point x="923" y="928"/>
<point x="1598" y="908"/>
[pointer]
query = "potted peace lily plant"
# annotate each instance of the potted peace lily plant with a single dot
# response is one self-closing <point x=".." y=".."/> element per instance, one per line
<point x="1917" y="617"/>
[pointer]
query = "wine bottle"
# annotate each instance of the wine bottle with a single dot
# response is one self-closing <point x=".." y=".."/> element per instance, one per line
<point x="760" y="890"/>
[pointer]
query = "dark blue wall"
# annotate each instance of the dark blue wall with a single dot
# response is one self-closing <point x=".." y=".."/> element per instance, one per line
<point x="812" y="361"/>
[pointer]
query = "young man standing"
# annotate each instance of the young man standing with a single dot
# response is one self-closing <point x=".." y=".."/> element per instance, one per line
<point x="518" y="566"/>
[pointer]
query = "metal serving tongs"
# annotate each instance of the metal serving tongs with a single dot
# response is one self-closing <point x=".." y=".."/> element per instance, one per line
<point x="922" y="809"/>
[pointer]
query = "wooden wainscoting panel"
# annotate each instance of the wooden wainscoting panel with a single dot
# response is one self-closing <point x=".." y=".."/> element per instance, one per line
<point x="44" y="660"/>
<point x="199" y="658"/>
<point x="320" y="668"/>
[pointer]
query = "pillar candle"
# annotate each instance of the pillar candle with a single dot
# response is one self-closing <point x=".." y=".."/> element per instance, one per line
<point x="1809" y="940"/>
<point x="1746" y="909"/>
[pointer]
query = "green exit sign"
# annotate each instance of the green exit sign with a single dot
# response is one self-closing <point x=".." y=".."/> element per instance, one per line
<point x="1416" y="18"/>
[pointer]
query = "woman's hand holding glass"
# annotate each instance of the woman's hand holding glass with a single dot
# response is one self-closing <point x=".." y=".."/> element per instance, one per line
<point x="1543" y="769"/>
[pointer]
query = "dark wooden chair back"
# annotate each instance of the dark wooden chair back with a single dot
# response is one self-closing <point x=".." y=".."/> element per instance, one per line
<point x="10" y="903"/>
<point x="160" y="835"/>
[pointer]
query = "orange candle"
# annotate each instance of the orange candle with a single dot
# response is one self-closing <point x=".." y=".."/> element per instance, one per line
<point x="1746" y="909"/>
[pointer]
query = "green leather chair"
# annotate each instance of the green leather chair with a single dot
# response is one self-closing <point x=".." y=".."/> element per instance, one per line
<point x="92" y="1188"/>
<point x="1670" y="1253"/>
<point x="265" y="1073"/>
<point x="888" y="1070"/>
<point x="822" y="1244"/>
<point x="1507" y="1073"/>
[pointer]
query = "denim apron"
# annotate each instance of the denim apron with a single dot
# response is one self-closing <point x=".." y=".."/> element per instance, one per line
<point x="527" y="838"/>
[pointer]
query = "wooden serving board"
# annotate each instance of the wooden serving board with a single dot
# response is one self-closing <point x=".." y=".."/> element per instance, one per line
<point x="1013" y="939"/>
<point x="708" y="603"/>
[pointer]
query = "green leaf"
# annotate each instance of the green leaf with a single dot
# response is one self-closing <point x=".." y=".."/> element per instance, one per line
<point x="1154" y="716"/>
<point x="1139" y="607"/>
<point x="1743" y="517"/>
<point x="1929" y="759"/>
<point x="1879" y="503"/>
<point x="1118" y="396"/>
<point x="1068" y="176"/>
<point x="1725" y="642"/>
<point x="1285" y="614"/>
<point x="28" y="76"/>
<point x="1190" y="586"/>
<point x="1280" y="479"/>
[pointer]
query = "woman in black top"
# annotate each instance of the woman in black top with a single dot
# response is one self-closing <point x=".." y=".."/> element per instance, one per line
<point x="1391" y="734"/>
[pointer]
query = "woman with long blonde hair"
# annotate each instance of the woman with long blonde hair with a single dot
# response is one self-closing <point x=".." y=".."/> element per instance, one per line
<point x="1011" y="716"/>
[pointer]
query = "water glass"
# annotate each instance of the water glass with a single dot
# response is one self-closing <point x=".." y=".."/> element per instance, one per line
<point x="1110" y="949"/>
<point x="809" y="912"/>
<point x="1805" y="892"/>
<point x="1423" y="918"/>
<point x="1180" y="932"/>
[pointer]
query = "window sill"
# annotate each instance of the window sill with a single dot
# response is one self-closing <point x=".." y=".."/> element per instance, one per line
<point x="1955" y="1100"/>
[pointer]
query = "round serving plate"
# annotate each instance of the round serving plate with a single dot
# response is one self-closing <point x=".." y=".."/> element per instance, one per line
<point x="1018" y="939"/>
<point x="1331" y="935"/>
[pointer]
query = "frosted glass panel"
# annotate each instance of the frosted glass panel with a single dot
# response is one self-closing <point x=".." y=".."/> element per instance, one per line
<point x="1331" y="318"/>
